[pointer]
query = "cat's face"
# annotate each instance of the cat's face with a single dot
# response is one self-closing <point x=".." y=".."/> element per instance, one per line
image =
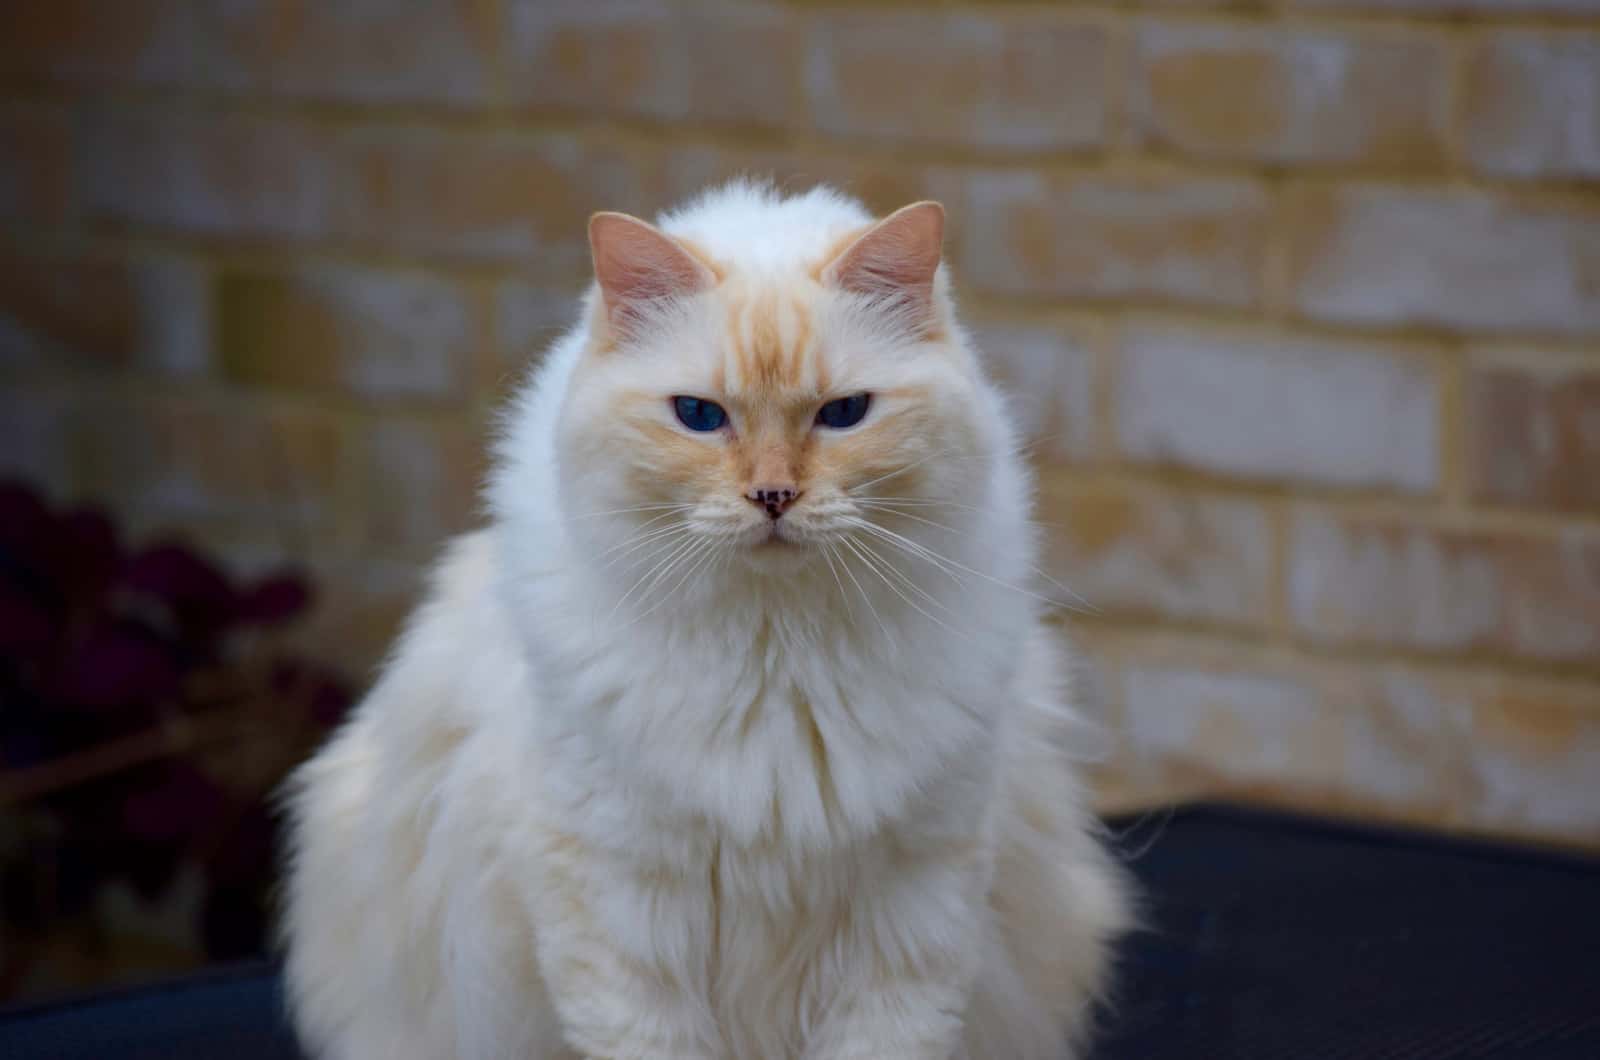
<point x="768" y="419"/>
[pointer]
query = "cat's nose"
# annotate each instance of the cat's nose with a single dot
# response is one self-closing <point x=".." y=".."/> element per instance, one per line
<point x="775" y="499"/>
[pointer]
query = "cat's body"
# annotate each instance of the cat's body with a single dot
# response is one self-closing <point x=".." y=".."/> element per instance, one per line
<point x="721" y="778"/>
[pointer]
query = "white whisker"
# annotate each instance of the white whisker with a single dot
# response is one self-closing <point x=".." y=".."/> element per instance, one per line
<point x="906" y="580"/>
<point x="635" y="508"/>
<point x="920" y="551"/>
<point x="677" y="550"/>
<point x="827" y="555"/>
<point x="866" y="555"/>
<point x="901" y="471"/>
<point x="864" y="597"/>
<point x="633" y="544"/>
<point x="1039" y="571"/>
<point x="929" y="502"/>
<point x="930" y="556"/>
<point x="706" y="555"/>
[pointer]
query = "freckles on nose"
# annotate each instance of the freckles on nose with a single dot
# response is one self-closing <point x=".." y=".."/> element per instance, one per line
<point x="771" y="479"/>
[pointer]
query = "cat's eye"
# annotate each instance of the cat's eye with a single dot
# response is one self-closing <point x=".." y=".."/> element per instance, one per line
<point x="844" y="412"/>
<point x="698" y="414"/>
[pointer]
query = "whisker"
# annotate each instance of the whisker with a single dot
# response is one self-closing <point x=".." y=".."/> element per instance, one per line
<point x="1039" y="571"/>
<point x="827" y="555"/>
<point x="636" y="542"/>
<point x="917" y="550"/>
<point x="914" y="518"/>
<point x="864" y="597"/>
<point x="635" y="508"/>
<point x="901" y="471"/>
<point x="661" y="547"/>
<point x="861" y="550"/>
<point x="933" y="557"/>
<point x="676" y="550"/>
<point x="687" y="560"/>
<point x="921" y="502"/>
<point x="906" y="579"/>
<point x="929" y="502"/>
<point x="707" y="554"/>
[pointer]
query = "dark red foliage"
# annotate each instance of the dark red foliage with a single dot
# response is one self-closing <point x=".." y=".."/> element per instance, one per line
<point x="276" y="599"/>
<point x="27" y="629"/>
<point x="179" y="801"/>
<point x="88" y="555"/>
<point x="246" y="854"/>
<point x="185" y="589"/>
<point x="323" y="695"/>
<point x="25" y="524"/>
<point x="117" y="664"/>
<point x="101" y="644"/>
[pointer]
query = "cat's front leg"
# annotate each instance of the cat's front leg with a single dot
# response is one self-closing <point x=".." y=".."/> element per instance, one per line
<point x="895" y="1021"/>
<point x="912" y="950"/>
<point x="621" y="947"/>
<point x="613" y="1009"/>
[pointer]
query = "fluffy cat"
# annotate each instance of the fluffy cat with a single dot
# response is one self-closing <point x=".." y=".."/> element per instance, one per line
<point x="734" y="734"/>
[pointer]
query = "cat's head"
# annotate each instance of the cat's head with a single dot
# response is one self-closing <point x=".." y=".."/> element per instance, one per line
<point x="767" y="397"/>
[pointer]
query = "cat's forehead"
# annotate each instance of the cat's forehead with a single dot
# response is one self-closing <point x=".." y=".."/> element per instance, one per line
<point x="768" y="339"/>
<point x="748" y="226"/>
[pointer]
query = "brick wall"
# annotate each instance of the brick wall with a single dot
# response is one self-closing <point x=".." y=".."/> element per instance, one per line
<point x="1301" y="298"/>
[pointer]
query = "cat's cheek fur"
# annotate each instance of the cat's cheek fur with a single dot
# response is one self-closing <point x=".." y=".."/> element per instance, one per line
<point x="773" y="819"/>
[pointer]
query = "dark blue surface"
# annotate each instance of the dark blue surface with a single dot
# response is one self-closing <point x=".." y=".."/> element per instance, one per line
<point x="232" y="1014"/>
<point x="1282" y="937"/>
<point x="1270" y="937"/>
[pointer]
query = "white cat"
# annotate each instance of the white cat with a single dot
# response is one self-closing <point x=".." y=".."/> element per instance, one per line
<point x="736" y="733"/>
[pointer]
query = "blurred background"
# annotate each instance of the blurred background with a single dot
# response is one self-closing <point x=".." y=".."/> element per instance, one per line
<point x="1299" y="300"/>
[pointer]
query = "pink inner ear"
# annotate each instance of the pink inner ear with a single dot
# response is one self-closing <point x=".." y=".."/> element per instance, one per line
<point x="899" y="254"/>
<point x="635" y="262"/>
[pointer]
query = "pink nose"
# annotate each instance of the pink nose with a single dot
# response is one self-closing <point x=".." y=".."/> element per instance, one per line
<point x="775" y="499"/>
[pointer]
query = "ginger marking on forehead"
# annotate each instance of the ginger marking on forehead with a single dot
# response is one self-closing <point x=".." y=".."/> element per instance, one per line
<point x="770" y="340"/>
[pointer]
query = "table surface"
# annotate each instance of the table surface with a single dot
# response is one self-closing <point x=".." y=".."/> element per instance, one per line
<point x="1267" y="936"/>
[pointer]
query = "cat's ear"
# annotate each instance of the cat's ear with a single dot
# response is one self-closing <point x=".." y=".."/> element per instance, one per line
<point x="896" y="258"/>
<point x="636" y="263"/>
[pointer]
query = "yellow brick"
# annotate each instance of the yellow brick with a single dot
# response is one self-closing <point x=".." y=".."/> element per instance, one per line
<point x="212" y="174"/>
<point x="1034" y="81"/>
<point x="1409" y="583"/>
<point x="359" y="53"/>
<point x="488" y="195"/>
<point x="104" y="314"/>
<point x="1532" y="434"/>
<point x="1145" y="553"/>
<point x="1199" y="240"/>
<point x="736" y="64"/>
<point x="185" y="458"/>
<point x="372" y="333"/>
<point x="84" y="41"/>
<point x="418" y="483"/>
<point x="1445" y="258"/>
<point x="1291" y="95"/>
<point x="1532" y="104"/>
<point x="36" y="172"/>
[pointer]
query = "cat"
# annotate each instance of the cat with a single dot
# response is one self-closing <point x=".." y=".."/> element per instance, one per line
<point x="736" y="732"/>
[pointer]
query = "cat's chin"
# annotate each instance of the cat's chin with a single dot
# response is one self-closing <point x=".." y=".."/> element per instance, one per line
<point x="777" y="553"/>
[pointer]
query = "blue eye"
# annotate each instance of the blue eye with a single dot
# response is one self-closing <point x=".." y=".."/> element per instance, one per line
<point x="845" y="412"/>
<point x="698" y="414"/>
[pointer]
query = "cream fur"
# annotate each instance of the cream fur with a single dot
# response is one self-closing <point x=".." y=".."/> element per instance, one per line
<point x="757" y="809"/>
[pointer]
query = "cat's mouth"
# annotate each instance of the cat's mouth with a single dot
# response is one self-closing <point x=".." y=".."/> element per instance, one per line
<point x="776" y="549"/>
<point x="777" y="538"/>
<point x="774" y="537"/>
